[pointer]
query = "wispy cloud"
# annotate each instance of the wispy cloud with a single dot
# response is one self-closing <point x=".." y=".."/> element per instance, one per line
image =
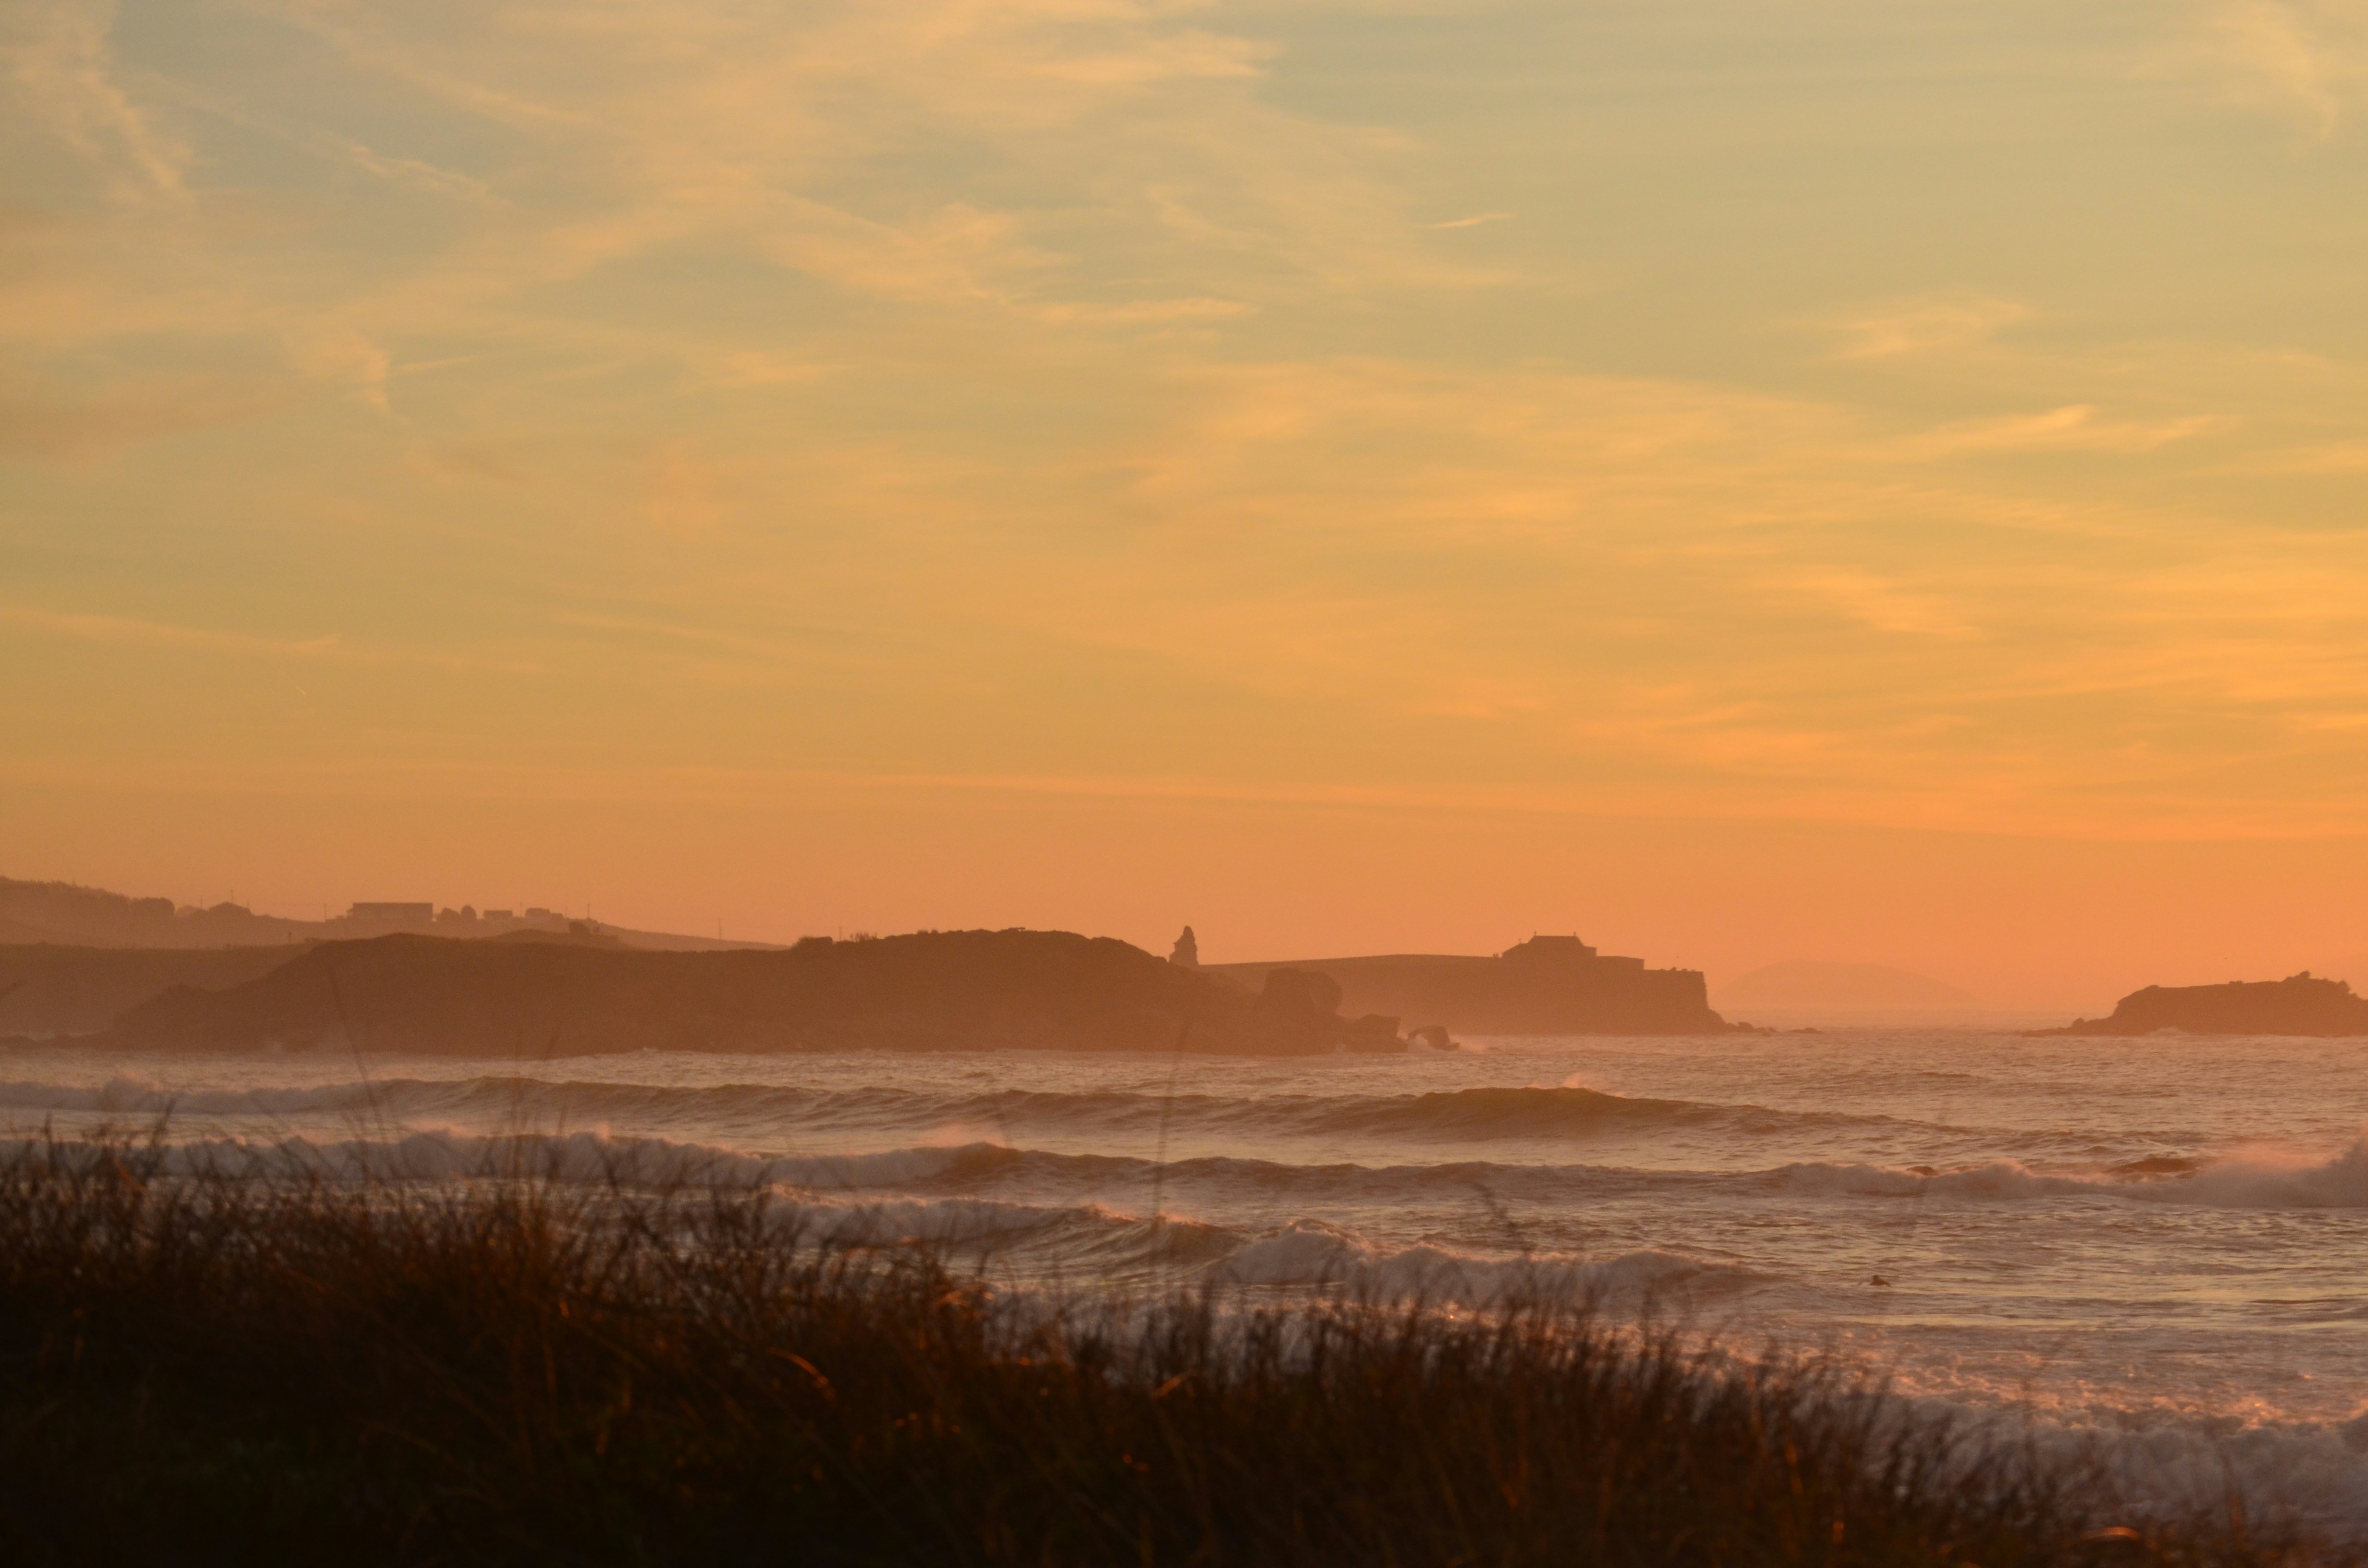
<point x="129" y="630"/>
<point x="1886" y="604"/>
<point x="1145" y="312"/>
<point x="2304" y="59"/>
<point x="134" y="632"/>
<point x="61" y="68"/>
<point x="755" y="122"/>
<point x="1015" y="163"/>
<point x="2075" y="428"/>
<point x="60" y="421"/>
<point x="1927" y="326"/>
<point x="418" y="173"/>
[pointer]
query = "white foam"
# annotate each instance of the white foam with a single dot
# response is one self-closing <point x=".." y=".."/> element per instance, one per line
<point x="2169" y="1465"/>
<point x="592" y="1157"/>
<point x="2256" y="1178"/>
<point x="1311" y="1253"/>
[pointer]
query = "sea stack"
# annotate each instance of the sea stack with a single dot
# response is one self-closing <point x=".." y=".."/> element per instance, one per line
<point x="1549" y="984"/>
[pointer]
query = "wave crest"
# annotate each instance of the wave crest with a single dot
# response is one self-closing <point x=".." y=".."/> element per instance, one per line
<point x="2250" y="1178"/>
<point x="525" y="1102"/>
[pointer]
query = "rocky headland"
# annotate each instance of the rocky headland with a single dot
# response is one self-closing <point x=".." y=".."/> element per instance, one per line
<point x="958" y="989"/>
<point x="1546" y="985"/>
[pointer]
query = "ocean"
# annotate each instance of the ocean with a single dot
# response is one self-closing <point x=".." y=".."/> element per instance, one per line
<point x="2152" y="1249"/>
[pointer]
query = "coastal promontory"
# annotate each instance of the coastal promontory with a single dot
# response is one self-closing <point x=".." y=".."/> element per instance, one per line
<point x="584" y="994"/>
<point x="1547" y="986"/>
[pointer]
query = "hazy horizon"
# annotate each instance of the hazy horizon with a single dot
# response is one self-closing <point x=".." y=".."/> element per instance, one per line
<point x="1807" y="987"/>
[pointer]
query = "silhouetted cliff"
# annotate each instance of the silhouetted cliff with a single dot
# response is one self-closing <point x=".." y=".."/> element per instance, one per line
<point x="1546" y="985"/>
<point x="931" y="990"/>
<point x="2299" y="1005"/>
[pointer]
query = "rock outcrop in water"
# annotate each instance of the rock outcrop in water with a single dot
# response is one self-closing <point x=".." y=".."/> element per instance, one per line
<point x="2299" y="1005"/>
<point x="931" y="990"/>
<point x="1546" y="985"/>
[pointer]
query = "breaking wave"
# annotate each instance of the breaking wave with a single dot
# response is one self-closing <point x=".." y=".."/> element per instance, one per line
<point x="1309" y="1252"/>
<point x="1471" y="1114"/>
<point x="978" y="1127"/>
<point x="2252" y="1179"/>
<point x="853" y="1201"/>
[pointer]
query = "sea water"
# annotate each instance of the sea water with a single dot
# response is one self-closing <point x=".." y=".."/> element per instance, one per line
<point x="2155" y="1250"/>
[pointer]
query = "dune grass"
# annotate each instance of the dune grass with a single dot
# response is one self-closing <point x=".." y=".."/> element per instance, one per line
<point x="235" y="1369"/>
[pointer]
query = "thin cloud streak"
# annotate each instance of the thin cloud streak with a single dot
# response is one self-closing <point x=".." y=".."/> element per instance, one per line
<point x="131" y="631"/>
<point x="2306" y="60"/>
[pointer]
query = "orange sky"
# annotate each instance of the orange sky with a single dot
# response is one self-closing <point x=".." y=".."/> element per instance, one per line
<point x="1848" y="480"/>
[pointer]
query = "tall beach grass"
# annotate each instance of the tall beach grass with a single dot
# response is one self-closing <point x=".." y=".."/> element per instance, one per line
<point x="264" y="1368"/>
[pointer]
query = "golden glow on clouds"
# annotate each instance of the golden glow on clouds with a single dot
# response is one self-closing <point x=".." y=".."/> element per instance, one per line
<point x="2305" y="59"/>
<point x="1940" y="420"/>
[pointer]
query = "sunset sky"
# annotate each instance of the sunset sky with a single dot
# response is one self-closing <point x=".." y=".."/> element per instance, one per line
<point x="1868" y="480"/>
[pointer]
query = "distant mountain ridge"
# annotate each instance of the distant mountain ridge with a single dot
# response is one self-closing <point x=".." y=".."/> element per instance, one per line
<point x="69" y="915"/>
<point x="1809" y="983"/>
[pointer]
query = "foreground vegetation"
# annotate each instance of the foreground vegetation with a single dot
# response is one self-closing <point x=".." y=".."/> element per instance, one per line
<point x="234" y="1370"/>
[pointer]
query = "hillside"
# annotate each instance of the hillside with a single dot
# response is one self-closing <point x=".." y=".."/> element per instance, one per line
<point x="930" y="990"/>
<point x="65" y="913"/>
<point x="48" y="990"/>
<point x="70" y="914"/>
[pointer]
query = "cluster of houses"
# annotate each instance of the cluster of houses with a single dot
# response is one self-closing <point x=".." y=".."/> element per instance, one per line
<point x="409" y="916"/>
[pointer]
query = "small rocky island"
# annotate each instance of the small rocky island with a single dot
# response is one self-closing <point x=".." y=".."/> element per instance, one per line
<point x="2299" y="1005"/>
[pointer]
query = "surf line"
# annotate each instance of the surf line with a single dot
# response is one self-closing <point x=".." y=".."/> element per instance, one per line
<point x="1167" y="1104"/>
